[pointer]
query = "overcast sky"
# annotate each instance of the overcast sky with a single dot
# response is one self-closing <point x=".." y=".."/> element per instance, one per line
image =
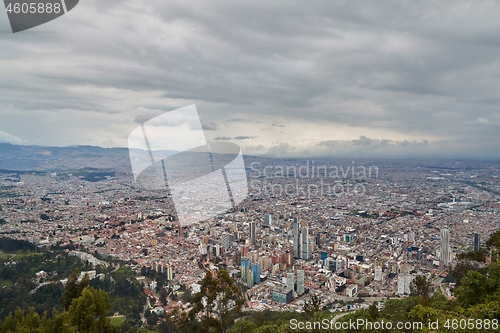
<point x="279" y="78"/>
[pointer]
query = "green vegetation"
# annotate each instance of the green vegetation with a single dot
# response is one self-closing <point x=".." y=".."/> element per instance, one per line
<point x="117" y="321"/>
<point x="5" y="283"/>
<point x="86" y="306"/>
<point x="17" y="275"/>
<point x="87" y="313"/>
<point x="219" y="302"/>
<point x="479" y="256"/>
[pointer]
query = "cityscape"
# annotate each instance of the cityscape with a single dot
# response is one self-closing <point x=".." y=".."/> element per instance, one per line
<point x="410" y="218"/>
<point x="249" y="167"/>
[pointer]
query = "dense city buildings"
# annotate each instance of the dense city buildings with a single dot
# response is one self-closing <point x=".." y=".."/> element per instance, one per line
<point x="340" y="235"/>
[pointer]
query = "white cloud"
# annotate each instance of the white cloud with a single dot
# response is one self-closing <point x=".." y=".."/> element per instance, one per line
<point x="9" y="138"/>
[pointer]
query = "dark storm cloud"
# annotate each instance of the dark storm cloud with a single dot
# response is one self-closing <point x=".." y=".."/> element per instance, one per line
<point x="420" y="68"/>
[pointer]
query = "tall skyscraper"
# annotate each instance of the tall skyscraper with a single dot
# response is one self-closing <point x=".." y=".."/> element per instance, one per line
<point x="252" y="233"/>
<point x="476" y="242"/>
<point x="170" y="273"/>
<point x="296" y="238"/>
<point x="245" y="267"/>
<point x="226" y="240"/>
<point x="256" y="272"/>
<point x="250" y="278"/>
<point x="290" y="281"/>
<point x="300" y="281"/>
<point x="305" y="247"/>
<point x="445" y="247"/>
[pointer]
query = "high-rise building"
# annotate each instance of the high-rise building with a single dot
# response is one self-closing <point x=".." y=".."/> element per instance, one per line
<point x="250" y="278"/>
<point x="445" y="247"/>
<point x="256" y="272"/>
<point x="300" y="281"/>
<point x="252" y="233"/>
<point x="304" y="245"/>
<point x="339" y="264"/>
<point x="170" y="273"/>
<point x="476" y="242"/>
<point x="268" y="220"/>
<point x="318" y="240"/>
<point x="245" y="267"/>
<point x="296" y="238"/>
<point x="217" y="250"/>
<point x="330" y="264"/>
<point x="286" y="258"/>
<point x="237" y="258"/>
<point x="290" y="281"/>
<point x="226" y="240"/>
<point x="282" y="295"/>
<point x="404" y="279"/>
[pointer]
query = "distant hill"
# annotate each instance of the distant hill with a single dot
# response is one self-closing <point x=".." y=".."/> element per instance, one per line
<point x="39" y="158"/>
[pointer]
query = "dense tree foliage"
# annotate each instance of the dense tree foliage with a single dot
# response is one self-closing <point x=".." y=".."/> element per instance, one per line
<point x="218" y="303"/>
<point x="87" y="314"/>
<point x="422" y="287"/>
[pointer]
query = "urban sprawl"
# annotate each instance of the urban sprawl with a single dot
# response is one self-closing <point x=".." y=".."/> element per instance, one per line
<point x="339" y="230"/>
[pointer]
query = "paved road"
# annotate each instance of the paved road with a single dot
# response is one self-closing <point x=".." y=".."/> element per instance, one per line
<point x="41" y="285"/>
<point x="337" y="317"/>
<point x="143" y="314"/>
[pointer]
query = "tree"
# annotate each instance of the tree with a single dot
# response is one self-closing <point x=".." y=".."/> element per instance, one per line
<point x="421" y="287"/>
<point x="373" y="311"/>
<point x="494" y="240"/>
<point x="219" y="302"/>
<point x="397" y="309"/>
<point x="58" y="323"/>
<point x="472" y="290"/>
<point x="493" y="281"/>
<point x="313" y="306"/>
<point x="152" y="319"/>
<point x="493" y="243"/>
<point x="73" y="288"/>
<point x="89" y="312"/>
<point x="20" y="322"/>
<point x="243" y="326"/>
<point x="460" y="270"/>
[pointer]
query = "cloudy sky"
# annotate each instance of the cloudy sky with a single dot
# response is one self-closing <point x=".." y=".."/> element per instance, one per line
<point x="280" y="78"/>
